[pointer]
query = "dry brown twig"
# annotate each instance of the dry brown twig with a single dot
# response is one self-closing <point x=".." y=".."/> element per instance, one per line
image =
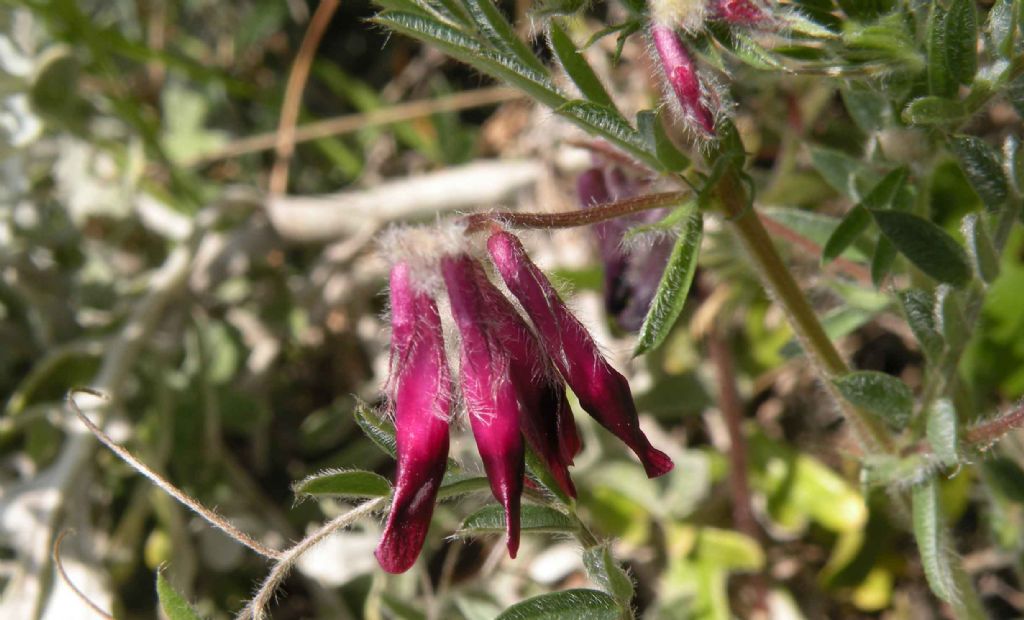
<point x="348" y="123"/>
<point x="67" y="579"/>
<point x="212" y="517"/>
<point x="285" y="145"/>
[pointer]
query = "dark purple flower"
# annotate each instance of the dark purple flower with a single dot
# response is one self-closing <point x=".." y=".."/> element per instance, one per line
<point x="682" y="76"/>
<point x="631" y="275"/>
<point x="420" y="389"/>
<point x="602" y="391"/>
<point x="487" y="388"/>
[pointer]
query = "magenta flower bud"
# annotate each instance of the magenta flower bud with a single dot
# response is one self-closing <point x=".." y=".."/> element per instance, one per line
<point x="545" y="416"/>
<point x="487" y="389"/>
<point x="602" y="391"/>
<point x="420" y="386"/>
<point x="682" y="76"/>
<point x="740" y="12"/>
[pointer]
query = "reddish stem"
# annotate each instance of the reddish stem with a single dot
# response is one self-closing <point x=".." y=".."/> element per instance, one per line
<point x="987" y="433"/>
<point x="570" y="219"/>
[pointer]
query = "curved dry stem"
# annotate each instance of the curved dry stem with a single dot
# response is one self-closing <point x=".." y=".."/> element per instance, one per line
<point x="285" y="146"/>
<point x="256" y="609"/>
<point x="212" y="517"/>
<point x="67" y="580"/>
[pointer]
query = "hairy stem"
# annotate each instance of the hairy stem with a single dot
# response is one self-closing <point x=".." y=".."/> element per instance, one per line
<point x="211" y="517"/>
<point x="732" y="201"/>
<point x="256" y="609"/>
<point x="570" y="219"/>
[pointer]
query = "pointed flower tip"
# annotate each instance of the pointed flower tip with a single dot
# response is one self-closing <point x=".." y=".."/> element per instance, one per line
<point x="656" y="463"/>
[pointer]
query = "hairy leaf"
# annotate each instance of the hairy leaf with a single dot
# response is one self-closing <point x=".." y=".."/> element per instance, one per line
<point x="942" y="431"/>
<point x="981" y="164"/>
<point x="929" y="531"/>
<point x="576" y="66"/>
<point x="980" y="247"/>
<point x="926" y="245"/>
<point x="577" y="604"/>
<point x="534" y="519"/>
<point x="352" y="483"/>
<point x="880" y="394"/>
<point x="174" y="605"/>
<point x="606" y="572"/>
<point x="674" y="286"/>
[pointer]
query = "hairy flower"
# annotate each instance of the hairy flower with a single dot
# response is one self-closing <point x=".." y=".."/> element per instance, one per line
<point x="487" y="389"/>
<point x="420" y="386"/>
<point x="545" y="416"/>
<point x="602" y="391"/>
<point x="740" y="12"/>
<point x="681" y="73"/>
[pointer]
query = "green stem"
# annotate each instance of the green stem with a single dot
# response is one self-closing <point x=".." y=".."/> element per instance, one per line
<point x="732" y="201"/>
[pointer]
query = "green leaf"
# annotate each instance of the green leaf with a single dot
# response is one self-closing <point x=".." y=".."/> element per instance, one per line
<point x="952" y="322"/>
<point x="743" y="47"/>
<point x="919" y="310"/>
<point x="981" y="164"/>
<point x="931" y="543"/>
<point x="576" y="66"/>
<point x="533" y="520"/>
<point x="604" y="121"/>
<point x="1002" y="24"/>
<point x="880" y="394"/>
<point x="534" y="82"/>
<point x="606" y="572"/>
<point x="926" y="245"/>
<point x="980" y="248"/>
<point x="882" y="260"/>
<point x="870" y="109"/>
<point x="852" y="225"/>
<point x="849" y="176"/>
<point x="940" y="82"/>
<point x="351" y="483"/>
<point x="580" y="604"/>
<point x="454" y="485"/>
<point x="942" y="431"/>
<point x="380" y="430"/>
<point x="932" y="110"/>
<point x="548" y="8"/>
<point x="961" y="41"/>
<point x="650" y="127"/>
<point x="174" y="605"/>
<point x="888" y="470"/>
<point x="1013" y="155"/>
<point x="673" y="288"/>
<point x="500" y="33"/>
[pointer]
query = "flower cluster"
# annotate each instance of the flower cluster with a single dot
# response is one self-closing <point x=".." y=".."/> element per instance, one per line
<point x="513" y="373"/>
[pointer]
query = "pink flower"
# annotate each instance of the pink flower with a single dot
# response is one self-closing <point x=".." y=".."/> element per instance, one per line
<point x="602" y="391"/>
<point x="740" y="12"/>
<point x="681" y="73"/>
<point x="487" y="389"/>
<point x="545" y="416"/>
<point x="421" y="392"/>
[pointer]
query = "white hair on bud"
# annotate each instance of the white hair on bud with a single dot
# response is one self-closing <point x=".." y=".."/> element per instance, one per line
<point x="421" y="247"/>
<point x="686" y="14"/>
